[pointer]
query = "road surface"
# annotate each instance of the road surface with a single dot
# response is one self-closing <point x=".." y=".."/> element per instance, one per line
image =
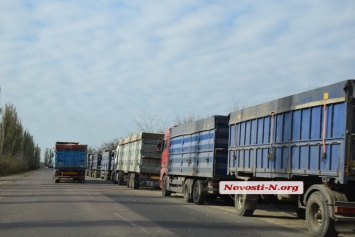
<point x="31" y="204"/>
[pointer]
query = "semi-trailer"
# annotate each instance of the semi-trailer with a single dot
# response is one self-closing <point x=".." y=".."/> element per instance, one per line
<point x="194" y="159"/>
<point x="107" y="164"/>
<point x="96" y="165"/>
<point x="69" y="161"/>
<point x="308" y="137"/>
<point x="137" y="162"/>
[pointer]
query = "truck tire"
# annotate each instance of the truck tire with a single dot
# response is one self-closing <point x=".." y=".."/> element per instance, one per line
<point x="244" y="204"/>
<point x="165" y="192"/>
<point x="56" y="180"/>
<point x="120" y="179"/>
<point x="113" y="178"/>
<point x="128" y="180"/>
<point x="319" y="222"/>
<point x="186" y="193"/>
<point x="135" y="181"/>
<point x="197" y="193"/>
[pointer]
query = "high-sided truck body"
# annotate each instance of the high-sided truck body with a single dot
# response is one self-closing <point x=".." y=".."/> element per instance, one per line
<point x="96" y="165"/>
<point x="194" y="159"/>
<point x="107" y="164"/>
<point x="137" y="162"/>
<point x="69" y="161"/>
<point x="307" y="137"/>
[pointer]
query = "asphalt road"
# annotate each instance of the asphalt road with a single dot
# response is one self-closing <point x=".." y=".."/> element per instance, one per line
<point x="31" y="204"/>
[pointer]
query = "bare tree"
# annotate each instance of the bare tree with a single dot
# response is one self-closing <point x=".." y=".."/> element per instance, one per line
<point x="238" y="105"/>
<point x="148" y="122"/>
<point x="190" y="117"/>
<point x="110" y="145"/>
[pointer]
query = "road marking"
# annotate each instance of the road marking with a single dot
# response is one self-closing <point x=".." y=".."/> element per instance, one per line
<point x="131" y="223"/>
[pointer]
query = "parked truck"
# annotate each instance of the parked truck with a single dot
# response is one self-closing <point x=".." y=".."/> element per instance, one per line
<point x="107" y="164"/>
<point x="69" y="161"/>
<point x="308" y="137"/>
<point x="88" y="165"/>
<point x="137" y="162"/>
<point x="96" y="165"/>
<point x="194" y="159"/>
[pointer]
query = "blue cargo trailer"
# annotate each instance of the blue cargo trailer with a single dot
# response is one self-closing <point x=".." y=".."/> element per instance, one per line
<point x="96" y="165"/>
<point x="107" y="164"/>
<point x="196" y="156"/>
<point x="69" y="161"/>
<point x="307" y="137"/>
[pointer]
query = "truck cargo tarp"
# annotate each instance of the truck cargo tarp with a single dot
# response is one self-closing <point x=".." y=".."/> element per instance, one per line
<point x="69" y="146"/>
<point x="198" y="126"/>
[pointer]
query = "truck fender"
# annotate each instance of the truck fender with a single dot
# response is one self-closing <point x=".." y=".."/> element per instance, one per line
<point x="330" y="195"/>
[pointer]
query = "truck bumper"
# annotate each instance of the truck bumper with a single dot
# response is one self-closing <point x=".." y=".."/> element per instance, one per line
<point x="345" y="226"/>
<point x="150" y="183"/>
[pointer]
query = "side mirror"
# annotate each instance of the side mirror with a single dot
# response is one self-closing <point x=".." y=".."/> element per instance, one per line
<point x="158" y="146"/>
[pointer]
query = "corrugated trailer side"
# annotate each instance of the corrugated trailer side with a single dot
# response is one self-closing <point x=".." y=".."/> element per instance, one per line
<point x="307" y="137"/>
<point x="197" y="157"/>
<point x="194" y="147"/>
<point x="137" y="162"/>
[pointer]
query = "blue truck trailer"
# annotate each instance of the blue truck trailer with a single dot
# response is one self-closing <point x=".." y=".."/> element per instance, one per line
<point x="96" y="165"/>
<point x="107" y="164"/>
<point x="69" y="161"/>
<point x="194" y="159"/>
<point x="308" y="137"/>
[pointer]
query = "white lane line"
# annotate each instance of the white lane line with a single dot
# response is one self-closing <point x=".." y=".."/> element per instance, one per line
<point x="131" y="223"/>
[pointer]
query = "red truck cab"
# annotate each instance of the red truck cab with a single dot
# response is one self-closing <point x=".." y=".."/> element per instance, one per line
<point x="163" y="147"/>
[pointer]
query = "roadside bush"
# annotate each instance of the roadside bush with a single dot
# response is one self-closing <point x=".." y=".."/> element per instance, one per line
<point x="11" y="166"/>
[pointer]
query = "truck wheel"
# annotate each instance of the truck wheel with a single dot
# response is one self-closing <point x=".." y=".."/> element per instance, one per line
<point x="120" y="180"/>
<point x="244" y="205"/>
<point x="135" y="181"/>
<point x="197" y="193"/>
<point x="165" y="192"/>
<point x="187" y="196"/>
<point x="128" y="180"/>
<point x="318" y="218"/>
<point x="113" y="178"/>
<point x="56" y="180"/>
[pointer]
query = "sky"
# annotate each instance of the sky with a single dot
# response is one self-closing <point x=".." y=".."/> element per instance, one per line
<point x="85" y="71"/>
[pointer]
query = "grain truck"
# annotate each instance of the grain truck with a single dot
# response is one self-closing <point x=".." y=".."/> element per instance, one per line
<point x="107" y="164"/>
<point x="96" y="165"/>
<point x="137" y="162"/>
<point x="69" y="161"/>
<point x="194" y="159"/>
<point x="308" y="137"/>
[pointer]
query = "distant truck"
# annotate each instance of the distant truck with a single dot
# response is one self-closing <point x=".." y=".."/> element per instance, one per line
<point x="96" y="165"/>
<point x="194" y="159"/>
<point x="137" y="162"/>
<point x="69" y="161"/>
<point x="308" y="137"/>
<point x="107" y="164"/>
<point x="88" y="165"/>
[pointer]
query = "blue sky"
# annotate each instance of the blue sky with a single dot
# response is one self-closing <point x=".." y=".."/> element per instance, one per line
<point x="84" y="70"/>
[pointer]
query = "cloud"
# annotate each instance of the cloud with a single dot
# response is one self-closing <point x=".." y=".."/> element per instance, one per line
<point x="84" y="70"/>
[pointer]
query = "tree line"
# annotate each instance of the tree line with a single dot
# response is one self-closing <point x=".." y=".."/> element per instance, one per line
<point x="18" y="150"/>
